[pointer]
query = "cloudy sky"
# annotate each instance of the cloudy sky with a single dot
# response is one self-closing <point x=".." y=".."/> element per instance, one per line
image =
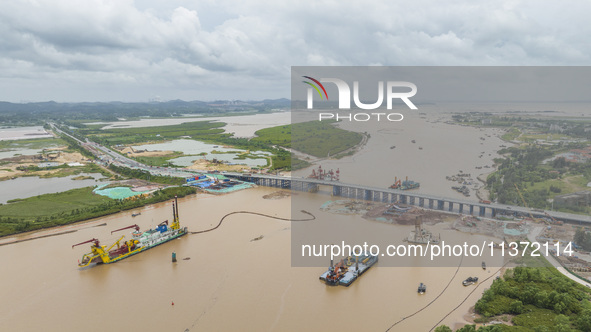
<point x="106" y="50"/>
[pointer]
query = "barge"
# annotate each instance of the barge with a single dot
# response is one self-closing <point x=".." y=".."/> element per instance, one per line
<point x="139" y="242"/>
<point x="346" y="271"/>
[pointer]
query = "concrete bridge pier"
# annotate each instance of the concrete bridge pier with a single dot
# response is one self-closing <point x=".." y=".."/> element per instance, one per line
<point x="393" y="198"/>
<point x="336" y="190"/>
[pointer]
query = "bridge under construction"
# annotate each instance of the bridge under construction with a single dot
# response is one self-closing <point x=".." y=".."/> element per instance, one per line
<point x="387" y="195"/>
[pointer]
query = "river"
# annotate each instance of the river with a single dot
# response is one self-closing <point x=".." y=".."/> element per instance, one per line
<point x="230" y="283"/>
<point x="17" y="133"/>
<point x="239" y="125"/>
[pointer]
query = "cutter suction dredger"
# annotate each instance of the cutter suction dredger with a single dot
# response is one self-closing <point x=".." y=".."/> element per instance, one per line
<point x="139" y="242"/>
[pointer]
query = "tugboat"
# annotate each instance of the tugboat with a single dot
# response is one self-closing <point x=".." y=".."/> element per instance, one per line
<point x="422" y="288"/>
<point x="470" y="281"/>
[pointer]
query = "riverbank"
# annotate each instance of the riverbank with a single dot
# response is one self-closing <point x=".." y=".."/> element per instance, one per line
<point x="72" y="206"/>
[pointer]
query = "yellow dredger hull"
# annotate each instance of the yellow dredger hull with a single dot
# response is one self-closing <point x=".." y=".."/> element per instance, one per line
<point x="101" y="256"/>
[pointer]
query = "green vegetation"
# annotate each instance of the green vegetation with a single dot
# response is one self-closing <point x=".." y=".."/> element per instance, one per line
<point x="145" y="175"/>
<point x="201" y="130"/>
<point x="35" y="143"/>
<point x="161" y="161"/>
<point x="316" y="138"/>
<point x="511" y="135"/>
<point x="76" y="114"/>
<point x="67" y="207"/>
<point x="522" y="166"/>
<point x="280" y="135"/>
<point x="538" y="298"/>
<point x="65" y="170"/>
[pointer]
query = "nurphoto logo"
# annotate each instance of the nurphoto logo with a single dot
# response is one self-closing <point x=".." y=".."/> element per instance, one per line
<point x="344" y="99"/>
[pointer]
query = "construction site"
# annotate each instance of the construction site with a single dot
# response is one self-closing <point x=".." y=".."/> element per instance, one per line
<point x="326" y="175"/>
<point x="504" y="228"/>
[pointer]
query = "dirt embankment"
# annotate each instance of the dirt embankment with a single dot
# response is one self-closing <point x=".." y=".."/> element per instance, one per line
<point x="399" y="215"/>
<point x="278" y="195"/>
<point x="206" y="165"/>
<point x="10" y="168"/>
<point x="390" y="213"/>
<point x="131" y="152"/>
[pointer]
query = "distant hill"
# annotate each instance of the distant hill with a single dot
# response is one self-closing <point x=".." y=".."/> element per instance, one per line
<point x="30" y="113"/>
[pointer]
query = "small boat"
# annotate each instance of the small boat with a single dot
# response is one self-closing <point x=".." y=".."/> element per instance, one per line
<point x="393" y="147"/>
<point x="420" y="147"/>
<point x="136" y="214"/>
<point x="413" y="141"/>
<point x="483" y="265"/>
<point x="422" y="288"/>
<point x="470" y="281"/>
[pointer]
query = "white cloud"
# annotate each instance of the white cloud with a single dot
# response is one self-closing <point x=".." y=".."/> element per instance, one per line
<point x="71" y="50"/>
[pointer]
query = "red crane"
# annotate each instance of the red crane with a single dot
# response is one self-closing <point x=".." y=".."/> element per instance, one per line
<point x="96" y="243"/>
<point x="137" y="228"/>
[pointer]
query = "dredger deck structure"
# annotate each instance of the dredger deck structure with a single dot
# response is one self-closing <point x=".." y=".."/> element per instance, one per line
<point x="139" y="242"/>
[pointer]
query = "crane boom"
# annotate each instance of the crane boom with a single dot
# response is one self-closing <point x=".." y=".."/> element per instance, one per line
<point x="137" y="228"/>
<point x="96" y="243"/>
<point x="116" y="243"/>
<point x="525" y="204"/>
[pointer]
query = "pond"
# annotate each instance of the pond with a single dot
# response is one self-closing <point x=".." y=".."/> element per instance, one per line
<point x="30" y="186"/>
<point x="193" y="148"/>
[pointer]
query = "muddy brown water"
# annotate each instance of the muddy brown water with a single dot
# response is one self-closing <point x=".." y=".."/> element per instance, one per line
<point x="230" y="283"/>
